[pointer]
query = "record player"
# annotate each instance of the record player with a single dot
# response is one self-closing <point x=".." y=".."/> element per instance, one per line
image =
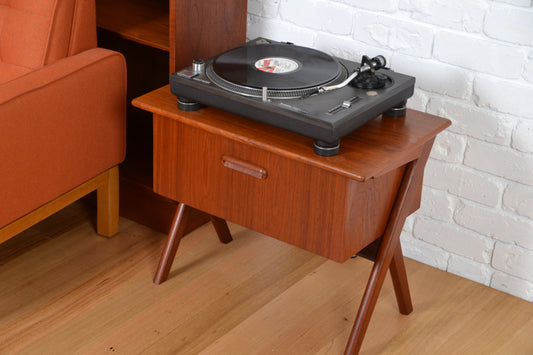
<point x="296" y="88"/>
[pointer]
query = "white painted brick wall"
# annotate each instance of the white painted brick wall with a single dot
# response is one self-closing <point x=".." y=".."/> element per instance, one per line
<point x="513" y="285"/>
<point x="518" y="198"/>
<point x="499" y="161"/>
<point x="267" y="9"/>
<point x="437" y="204"/>
<point x="345" y="47"/>
<point x="449" y="147"/>
<point x="424" y="252"/>
<point x="454" y="239"/>
<point x="522" y="136"/>
<point x="508" y="96"/>
<point x="470" y="269"/>
<point x="479" y="54"/>
<point x="513" y="260"/>
<point x="473" y="60"/>
<point x="435" y="77"/>
<point x="525" y="3"/>
<point x="382" y="5"/>
<point x="322" y="15"/>
<point x="393" y="33"/>
<point x="468" y="120"/>
<point x="463" y="182"/>
<point x="509" y="24"/>
<point x="456" y="14"/>
<point x="495" y="223"/>
<point x="528" y="68"/>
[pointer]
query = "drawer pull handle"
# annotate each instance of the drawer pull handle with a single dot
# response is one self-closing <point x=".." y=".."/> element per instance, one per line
<point x="244" y="167"/>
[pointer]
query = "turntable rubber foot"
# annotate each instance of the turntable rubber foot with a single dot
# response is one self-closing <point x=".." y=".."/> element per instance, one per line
<point x="185" y="104"/>
<point x="397" y="111"/>
<point x="327" y="149"/>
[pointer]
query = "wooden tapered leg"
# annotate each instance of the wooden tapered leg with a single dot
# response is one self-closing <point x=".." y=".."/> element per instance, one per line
<point x="221" y="227"/>
<point x="387" y="250"/>
<point x="399" y="281"/>
<point x="177" y="230"/>
<point x="397" y="271"/>
<point x="105" y="183"/>
<point x="107" y="204"/>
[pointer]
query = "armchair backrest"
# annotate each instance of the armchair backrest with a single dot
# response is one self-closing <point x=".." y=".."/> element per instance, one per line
<point x="34" y="33"/>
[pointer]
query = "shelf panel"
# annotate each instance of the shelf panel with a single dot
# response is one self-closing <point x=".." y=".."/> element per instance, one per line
<point x="142" y="21"/>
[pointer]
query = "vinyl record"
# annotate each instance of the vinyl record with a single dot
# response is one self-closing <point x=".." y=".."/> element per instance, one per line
<point x="276" y="66"/>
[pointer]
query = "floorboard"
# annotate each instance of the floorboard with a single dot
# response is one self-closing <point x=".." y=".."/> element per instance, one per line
<point x="65" y="290"/>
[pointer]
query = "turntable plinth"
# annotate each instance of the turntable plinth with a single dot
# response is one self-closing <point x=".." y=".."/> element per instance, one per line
<point x="270" y="180"/>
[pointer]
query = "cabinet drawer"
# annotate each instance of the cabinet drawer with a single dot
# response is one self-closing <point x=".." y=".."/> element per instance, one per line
<point x="286" y="199"/>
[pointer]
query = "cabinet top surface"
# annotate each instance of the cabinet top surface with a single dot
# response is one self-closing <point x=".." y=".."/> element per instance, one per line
<point x="381" y="145"/>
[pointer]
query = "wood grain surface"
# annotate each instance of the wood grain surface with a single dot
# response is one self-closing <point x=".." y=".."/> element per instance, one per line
<point x="67" y="291"/>
<point x="332" y="206"/>
<point x="381" y="145"/>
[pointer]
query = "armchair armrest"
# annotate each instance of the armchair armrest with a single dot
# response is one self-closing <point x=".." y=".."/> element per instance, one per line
<point x="60" y="126"/>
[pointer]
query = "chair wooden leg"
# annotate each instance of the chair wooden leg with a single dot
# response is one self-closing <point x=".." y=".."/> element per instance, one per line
<point x="387" y="250"/>
<point x="107" y="204"/>
<point x="105" y="183"/>
<point x="221" y="227"/>
<point x="399" y="280"/>
<point x="177" y="230"/>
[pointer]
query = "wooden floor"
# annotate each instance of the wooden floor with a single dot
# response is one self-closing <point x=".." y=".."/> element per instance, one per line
<point x="65" y="290"/>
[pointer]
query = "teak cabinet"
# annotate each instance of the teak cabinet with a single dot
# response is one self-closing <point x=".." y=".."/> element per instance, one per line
<point x="157" y="37"/>
<point x="270" y="180"/>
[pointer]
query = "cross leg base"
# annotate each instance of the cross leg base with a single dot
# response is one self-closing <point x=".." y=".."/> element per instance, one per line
<point x="176" y="232"/>
<point x="389" y="255"/>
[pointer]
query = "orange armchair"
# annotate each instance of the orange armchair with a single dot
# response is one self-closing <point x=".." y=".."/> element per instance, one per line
<point x="62" y="113"/>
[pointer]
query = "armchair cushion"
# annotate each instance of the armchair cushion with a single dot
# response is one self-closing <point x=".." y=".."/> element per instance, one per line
<point x="9" y="72"/>
<point x="36" y="33"/>
<point x="60" y="126"/>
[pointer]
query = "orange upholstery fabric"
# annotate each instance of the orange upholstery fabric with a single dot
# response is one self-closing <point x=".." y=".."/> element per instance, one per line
<point x="36" y="33"/>
<point x="62" y="118"/>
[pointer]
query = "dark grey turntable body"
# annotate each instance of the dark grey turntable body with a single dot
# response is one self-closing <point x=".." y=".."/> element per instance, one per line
<point x="325" y="117"/>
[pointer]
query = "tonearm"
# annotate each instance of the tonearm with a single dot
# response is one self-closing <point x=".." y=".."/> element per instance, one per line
<point x="367" y="65"/>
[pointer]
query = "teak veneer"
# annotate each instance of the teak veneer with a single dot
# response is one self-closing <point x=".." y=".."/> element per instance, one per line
<point x="157" y="37"/>
<point x="270" y="180"/>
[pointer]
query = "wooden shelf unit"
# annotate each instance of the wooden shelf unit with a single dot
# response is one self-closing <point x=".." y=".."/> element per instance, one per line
<point x="156" y="37"/>
<point x="142" y="21"/>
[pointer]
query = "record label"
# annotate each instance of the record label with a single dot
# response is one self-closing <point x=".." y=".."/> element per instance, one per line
<point x="277" y="65"/>
<point x="254" y="66"/>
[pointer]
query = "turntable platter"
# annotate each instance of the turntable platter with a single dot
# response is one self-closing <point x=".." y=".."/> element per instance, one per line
<point x="276" y="66"/>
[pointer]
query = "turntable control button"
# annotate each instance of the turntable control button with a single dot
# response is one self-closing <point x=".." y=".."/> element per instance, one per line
<point x="371" y="93"/>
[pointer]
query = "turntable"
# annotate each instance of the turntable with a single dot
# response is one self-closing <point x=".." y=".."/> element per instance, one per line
<point x="295" y="88"/>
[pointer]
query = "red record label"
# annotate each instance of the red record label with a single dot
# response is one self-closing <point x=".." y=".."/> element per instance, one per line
<point x="276" y="65"/>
